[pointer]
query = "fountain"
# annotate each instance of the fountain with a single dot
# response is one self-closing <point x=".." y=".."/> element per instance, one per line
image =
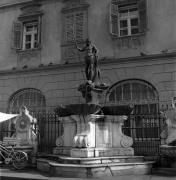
<point x="92" y="143"/>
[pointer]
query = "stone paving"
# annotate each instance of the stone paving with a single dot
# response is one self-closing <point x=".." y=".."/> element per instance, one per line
<point x="32" y="174"/>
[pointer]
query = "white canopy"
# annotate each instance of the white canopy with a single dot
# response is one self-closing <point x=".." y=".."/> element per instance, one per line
<point x="5" y="117"/>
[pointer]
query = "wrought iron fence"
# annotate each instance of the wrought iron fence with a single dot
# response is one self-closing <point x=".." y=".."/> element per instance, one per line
<point x="49" y="127"/>
<point x="144" y="129"/>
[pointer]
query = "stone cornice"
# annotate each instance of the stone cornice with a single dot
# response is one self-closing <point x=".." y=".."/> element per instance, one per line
<point x="104" y="61"/>
<point x="20" y="3"/>
<point x="145" y="58"/>
<point x="8" y="5"/>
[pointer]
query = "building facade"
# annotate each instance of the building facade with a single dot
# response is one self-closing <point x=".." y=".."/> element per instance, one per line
<point x="41" y="68"/>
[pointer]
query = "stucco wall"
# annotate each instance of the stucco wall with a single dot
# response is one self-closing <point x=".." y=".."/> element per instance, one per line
<point x="160" y="35"/>
<point x="59" y="85"/>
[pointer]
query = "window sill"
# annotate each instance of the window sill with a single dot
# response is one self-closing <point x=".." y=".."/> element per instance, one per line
<point x="71" y="43"/>
<point x="28" y="50"/>
<point x="128" y="37"/>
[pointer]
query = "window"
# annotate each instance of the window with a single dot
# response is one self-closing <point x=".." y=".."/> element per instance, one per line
<point x="128" y="17"/>
<point x="128" y="21"/>
<point x="33" y="99"/>
<point x="30" y="35"/>
<point x="143" y="125"/>
<point x="26" y="35"/>
<point x="27" y="29"/>
<point x="75" y="27"/>
<point x="145" y="100"/>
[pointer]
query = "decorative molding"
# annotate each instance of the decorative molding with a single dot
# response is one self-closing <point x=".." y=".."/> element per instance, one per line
<point x="8" y="5"/>
<point x="30" y="11"/>
<point x="30" y="16"/>
<point x="102" y="61"/>
<point x="74" y="5"/>
<point x="129" y="41"/>
<point x="27" y="57"/>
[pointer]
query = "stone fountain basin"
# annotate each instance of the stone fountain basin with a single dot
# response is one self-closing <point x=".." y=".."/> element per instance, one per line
<point x="87" y="109"/>
<point x="117" y="110"/>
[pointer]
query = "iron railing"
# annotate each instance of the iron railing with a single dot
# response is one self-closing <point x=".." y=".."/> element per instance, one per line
<point x="144" y="129"/>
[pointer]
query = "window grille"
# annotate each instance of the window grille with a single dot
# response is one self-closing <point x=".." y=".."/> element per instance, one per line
<point x="143" y="125"/>
<point x="31" y="98"/>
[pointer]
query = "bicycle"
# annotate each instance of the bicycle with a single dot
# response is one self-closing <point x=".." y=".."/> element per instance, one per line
<point x="18" y="159"/>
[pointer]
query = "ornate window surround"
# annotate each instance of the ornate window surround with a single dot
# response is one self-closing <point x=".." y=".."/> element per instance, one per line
<point x="31" y="13"/>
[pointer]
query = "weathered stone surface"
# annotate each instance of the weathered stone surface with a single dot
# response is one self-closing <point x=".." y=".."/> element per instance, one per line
<point x="83" y="152"/>
<point x="168" y="150"/>
<point x="93" y="170"/>
<point x="95" y="131"/>
<point x="107" y="152"/>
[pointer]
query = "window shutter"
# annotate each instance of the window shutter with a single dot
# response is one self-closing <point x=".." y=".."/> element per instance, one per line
<point x="39" y="30"/>
<point x="113" y="18"/>
<point x="17" y="35"/>
<point x="79" y="21"/>
<point x="69" y="27"/>
<point x="142" y="15"/>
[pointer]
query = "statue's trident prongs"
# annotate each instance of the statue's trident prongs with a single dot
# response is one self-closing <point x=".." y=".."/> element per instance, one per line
<point x="74" y="40"/>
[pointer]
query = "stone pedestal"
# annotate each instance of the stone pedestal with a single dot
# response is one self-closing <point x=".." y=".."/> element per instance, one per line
<point x="168" y="152"/>
<point x="94" y="136"/>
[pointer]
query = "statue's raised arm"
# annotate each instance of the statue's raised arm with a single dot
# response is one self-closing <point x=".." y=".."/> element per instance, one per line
<point x="91" y="60"/>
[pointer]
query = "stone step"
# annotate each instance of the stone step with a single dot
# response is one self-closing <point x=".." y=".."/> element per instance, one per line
<point x="93" y="170"/>
<point x="96" y="160"/>
<point x="164" y="171"/>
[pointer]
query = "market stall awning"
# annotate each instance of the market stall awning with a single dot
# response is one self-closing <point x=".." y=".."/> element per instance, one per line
<point x="5" y="117"/>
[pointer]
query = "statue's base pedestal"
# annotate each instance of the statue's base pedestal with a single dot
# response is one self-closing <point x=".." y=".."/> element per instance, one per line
<point x="93" y="152"/>
<point x="83" y="152"/>
<point x="65" y="151"/>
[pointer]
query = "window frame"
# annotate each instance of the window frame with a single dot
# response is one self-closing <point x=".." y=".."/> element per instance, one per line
<point x="128" y="18"/>
<point x="75" y="25"/>
<point x="32" y="34"/>
<point x="147" y="106"/>
<point x="19" y="28"/>
<point x="68" y="50"/>
<point x="114" y="16"/>
<point x="33" y="98"/>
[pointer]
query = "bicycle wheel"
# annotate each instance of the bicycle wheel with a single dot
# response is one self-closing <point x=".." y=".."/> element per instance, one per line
<point x="19" y="160"/>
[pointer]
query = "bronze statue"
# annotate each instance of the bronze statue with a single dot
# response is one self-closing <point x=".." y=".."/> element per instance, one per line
<point x="91" y="60"/>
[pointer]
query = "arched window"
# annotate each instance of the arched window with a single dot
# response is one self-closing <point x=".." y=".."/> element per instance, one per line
<point x="143" y="123"/>
<point x="33" y="99"/>
<point x="135" y="92"/>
